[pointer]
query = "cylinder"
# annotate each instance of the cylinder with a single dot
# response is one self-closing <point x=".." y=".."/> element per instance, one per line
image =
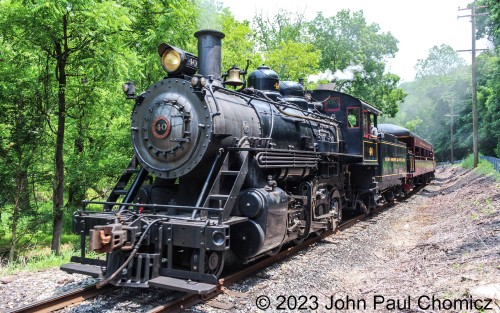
<point x="209" y="52"/>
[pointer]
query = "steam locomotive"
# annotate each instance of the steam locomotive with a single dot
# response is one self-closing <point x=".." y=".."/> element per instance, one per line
<point x="231" y="169"/>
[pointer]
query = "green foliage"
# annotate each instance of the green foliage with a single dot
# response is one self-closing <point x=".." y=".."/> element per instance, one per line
<point x="488" y="20"/>
<point x="285" y="26"/>
<point x="345" y="44"/>
<point x="441" y="60"/>
<point x="67" y="53"/>
<point x="23" y="130"/>
<point x="488" y="64"/>
<point x="489" y="103"/>
<point x="413" y="124"/>
<point x="468" y="162"/>
<point x="291" y="65"/>
<point x="154" y="22"/>
<point x="238" y="45"/>
<point x="436" y="95"/>
<point x="285" y="45"/>
<point x="346" y="40"/>
<point x="36" y="258"/>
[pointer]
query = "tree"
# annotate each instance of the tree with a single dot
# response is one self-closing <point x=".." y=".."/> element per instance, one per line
<point x="238" y="45"/>
<point x="284" y="27"/>
<point x="488" y="26"/>
<point x="67" y="33"/>
<point x="438" y="103"/>
<point x="441" y="60"/>
<point x="21" y="135"/>
<point x="285" y="45"/>
<point x="154" y="22"/>
<point x="347" y="41"/>
<point x="293" y="60"/>
<point x="489" y="104"/>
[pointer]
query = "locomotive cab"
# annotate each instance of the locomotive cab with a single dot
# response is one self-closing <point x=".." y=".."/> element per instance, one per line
<point x="356" y="118"/>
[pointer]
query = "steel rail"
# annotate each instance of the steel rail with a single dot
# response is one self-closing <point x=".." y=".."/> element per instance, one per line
<point x="63" y="300"/>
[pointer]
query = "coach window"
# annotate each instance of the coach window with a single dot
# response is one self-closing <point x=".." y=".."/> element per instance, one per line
<point x="353" y="117"/>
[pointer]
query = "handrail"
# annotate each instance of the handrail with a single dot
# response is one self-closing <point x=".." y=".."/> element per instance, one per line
<point x="154" y="206"/>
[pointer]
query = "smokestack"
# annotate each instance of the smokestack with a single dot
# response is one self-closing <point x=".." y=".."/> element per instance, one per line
<point x="209" y="52"/>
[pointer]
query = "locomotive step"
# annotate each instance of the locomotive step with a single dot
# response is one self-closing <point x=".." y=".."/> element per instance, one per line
<point x="84" y="269"/>
<point x="182" y="285"/>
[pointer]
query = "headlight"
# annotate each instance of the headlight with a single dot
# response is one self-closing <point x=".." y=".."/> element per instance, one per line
<point x="177" y="61"/>
<point x="171" y="60"/>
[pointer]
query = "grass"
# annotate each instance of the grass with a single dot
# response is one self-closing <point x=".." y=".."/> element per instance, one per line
<point x="33" y="250"/>
<point x="36" y="259"/>
<point x="483" y="167"/>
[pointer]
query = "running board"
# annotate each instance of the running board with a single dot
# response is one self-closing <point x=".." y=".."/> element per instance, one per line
<point x="179" y="284"/>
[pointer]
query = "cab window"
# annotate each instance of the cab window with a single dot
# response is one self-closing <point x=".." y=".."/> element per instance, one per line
<point x="353" y="118"/>
<point x="332" y="104"/>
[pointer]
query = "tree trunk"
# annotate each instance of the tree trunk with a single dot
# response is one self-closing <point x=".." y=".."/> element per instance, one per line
<point x="58" y="193"/>
<point x="13" y="240"/>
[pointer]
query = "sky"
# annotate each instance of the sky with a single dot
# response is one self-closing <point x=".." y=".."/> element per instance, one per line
<point x="418" y="25"/>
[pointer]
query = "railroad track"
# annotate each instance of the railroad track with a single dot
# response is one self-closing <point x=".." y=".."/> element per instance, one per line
<point x="81" y="294"/>
<point x="189" y="300"/>
<point x="63" y="300"/>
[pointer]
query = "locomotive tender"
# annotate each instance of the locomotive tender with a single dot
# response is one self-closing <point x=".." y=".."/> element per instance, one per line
<point x="232" y="174"/>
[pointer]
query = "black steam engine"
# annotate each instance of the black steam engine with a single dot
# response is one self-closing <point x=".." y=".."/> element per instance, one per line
<point x="228" y="170"/>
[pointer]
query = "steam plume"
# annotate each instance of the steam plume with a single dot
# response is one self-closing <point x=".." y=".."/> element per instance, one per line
<point x="346" y="74"/>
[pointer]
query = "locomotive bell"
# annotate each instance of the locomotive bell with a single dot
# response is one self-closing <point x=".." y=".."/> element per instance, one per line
<point x="234" y="77"/>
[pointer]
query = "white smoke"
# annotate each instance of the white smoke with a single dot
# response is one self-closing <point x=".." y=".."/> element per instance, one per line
<point x="346" y="74"/>
<point x="326" y="75"/>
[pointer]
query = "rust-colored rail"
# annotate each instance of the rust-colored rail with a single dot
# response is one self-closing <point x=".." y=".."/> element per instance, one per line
<point x="63" y="300"/>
